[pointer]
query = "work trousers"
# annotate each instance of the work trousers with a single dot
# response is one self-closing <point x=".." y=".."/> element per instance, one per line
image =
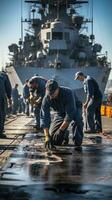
<point x="26" y="107"/>
<point x="77" y="127"/>
<point x="15" y="106"/>
<point x="2" y="114"/>
<point x="76" y="131"/>
<point x="92" y="116"/>
<point x="37" y="115"/>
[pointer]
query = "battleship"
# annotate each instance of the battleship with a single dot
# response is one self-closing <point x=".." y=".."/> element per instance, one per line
<point x="56" y="46"/>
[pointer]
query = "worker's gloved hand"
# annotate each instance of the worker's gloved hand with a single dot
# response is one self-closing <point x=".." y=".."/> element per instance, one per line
<point x="10" y="102"/>
<point x="27" y="100"/>
<point x="58" y="137"/>
<point x="48" y="145"/>
<point x="38" y="101"/>
<point x="31" y="99"/>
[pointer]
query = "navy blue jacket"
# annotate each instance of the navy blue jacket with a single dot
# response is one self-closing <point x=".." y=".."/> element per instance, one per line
<point x="26" y="92"/>
<point x="5" y="85"/>
<point x="63" y="106"/>
<point x="40" y="91"/>
<point x="91" y="88"/>
<point x="15" y="94"/>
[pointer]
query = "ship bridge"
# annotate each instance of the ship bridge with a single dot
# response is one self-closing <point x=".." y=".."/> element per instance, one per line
<point x="58" y="36"/>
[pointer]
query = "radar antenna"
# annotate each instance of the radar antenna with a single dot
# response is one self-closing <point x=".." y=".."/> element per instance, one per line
<point x="22" y="21"/>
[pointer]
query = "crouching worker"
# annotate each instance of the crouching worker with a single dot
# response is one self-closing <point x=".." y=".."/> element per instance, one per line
<point x="61" y="101"/>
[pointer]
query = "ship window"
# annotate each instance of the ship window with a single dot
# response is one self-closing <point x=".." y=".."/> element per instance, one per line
<point x="57" y="35"/>
<point x="48" y="36"/>
<point x="67" y="36"/>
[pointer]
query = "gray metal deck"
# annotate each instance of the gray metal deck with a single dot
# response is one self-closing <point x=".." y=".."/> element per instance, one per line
<point x="66" y="173"/>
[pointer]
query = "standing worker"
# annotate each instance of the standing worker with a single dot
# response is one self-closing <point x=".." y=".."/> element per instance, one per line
<point x="37" y="92"/>
<point x="61" y="101"/>
<point x="5" y="94"/>
<point x="26" y="95"/>
<point x="15" y="99"/>
<point x="92" y="106"/>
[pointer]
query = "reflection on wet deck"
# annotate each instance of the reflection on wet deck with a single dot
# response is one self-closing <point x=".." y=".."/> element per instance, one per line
<point x="66" y="173"/>
<point x="90" y="165"/>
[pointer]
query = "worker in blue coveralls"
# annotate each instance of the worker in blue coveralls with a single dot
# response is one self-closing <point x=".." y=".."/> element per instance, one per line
<point x="62" y="101"/>
<point x="26" y="95"/>
<point x="15" y="99"/>
<point x="37" y="92"/>
<point x="92" y="106"/>
<point x="5" y="94"/>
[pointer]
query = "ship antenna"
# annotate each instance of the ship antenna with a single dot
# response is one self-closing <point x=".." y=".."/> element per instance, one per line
<point x="92" y="18"/>
<point x="22" y="21"/>
<point x="66" y="4"/>
<point x="92" y="37"/>
<point x="58" y="10"/>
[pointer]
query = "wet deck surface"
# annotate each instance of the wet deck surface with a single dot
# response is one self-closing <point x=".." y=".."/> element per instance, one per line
<point x="66" y="173"/>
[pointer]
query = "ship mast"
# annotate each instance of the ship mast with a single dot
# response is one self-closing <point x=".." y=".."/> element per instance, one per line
<point x="92" y="37"/>
<point x="22" y="21"/>
<point x="92" y="19"/>
<point x="58" y="10"/>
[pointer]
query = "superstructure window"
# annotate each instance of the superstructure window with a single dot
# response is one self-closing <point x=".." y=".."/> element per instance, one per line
<point x="48" y="36"/>
<point x="57" y="35"/>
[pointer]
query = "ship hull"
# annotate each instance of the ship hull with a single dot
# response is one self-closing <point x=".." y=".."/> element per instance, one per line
<point x="64" y="76"/>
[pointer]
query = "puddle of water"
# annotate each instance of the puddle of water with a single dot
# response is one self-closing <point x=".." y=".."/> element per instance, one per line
<point x="56" y="192"/>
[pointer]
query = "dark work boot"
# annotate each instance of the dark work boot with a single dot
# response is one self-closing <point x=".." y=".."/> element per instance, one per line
<point x="38" y="129"/>
<point x="89" y="131"/>
<point x="66" y="138"/>
<point x="2" y="136"/>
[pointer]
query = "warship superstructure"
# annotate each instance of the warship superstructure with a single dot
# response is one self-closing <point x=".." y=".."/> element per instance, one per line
<point x="56" y="46"/>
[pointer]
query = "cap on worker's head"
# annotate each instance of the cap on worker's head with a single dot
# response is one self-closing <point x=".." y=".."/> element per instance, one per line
<point x="32" y="80"/>
<point x="27" y="80"/>
<point x="77" y="74"/>
<point x="51" y="86"/>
